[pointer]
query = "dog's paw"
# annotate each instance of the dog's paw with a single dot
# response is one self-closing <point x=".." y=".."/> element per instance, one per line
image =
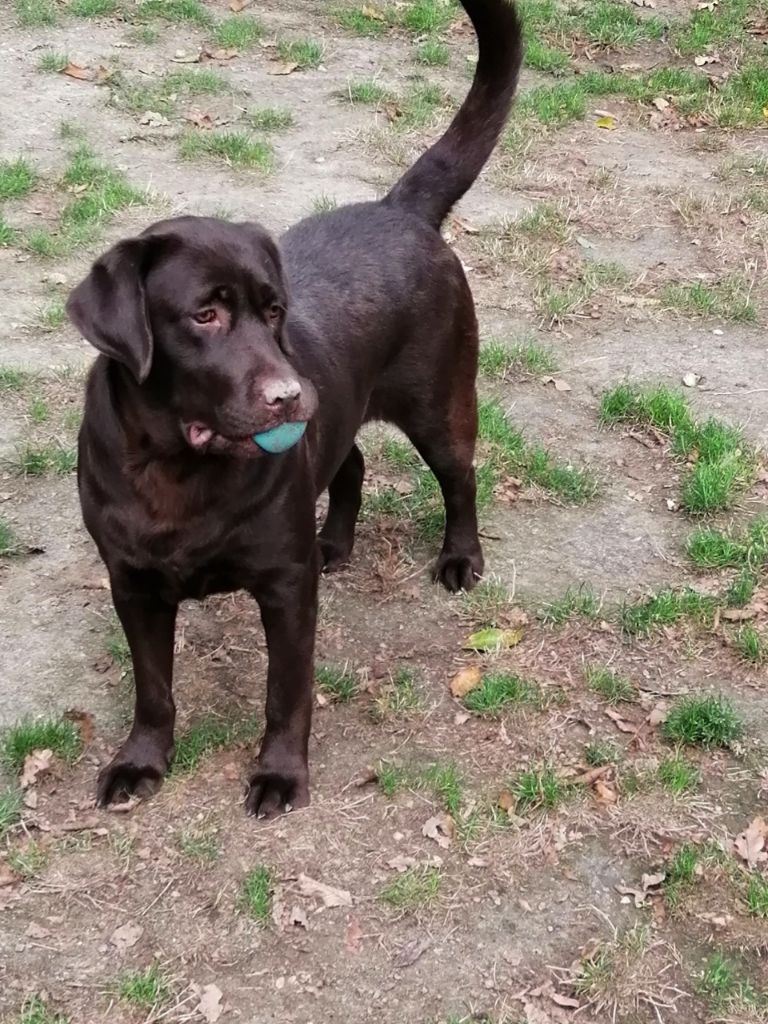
<point x="271" y="793"/>
<point x="458" y="572"/>
<point x="334" y="556"/>
<point x="137" y="769"/>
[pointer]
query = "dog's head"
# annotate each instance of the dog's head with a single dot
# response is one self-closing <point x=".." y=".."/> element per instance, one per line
<point x="195" y="309"/>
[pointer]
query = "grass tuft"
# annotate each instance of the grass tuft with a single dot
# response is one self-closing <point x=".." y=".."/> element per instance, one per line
<point x="44" y="459"/>
<point x="147" y="990"/>
<point x="366" y="91"/>
<point x="678" y="775"/>
<point x="256" y="895"/>
<point x="92" y="8"/>
<point x="499" y="361"/>
<point x="58" y="735"/>
<point x="237" y="149"/>
<point x="36" y="13"/>
<point x="499" y="691"/>
<point x="17" y="178"/>
<point x="180" y="11"/>
<point x="423" y="16"/>
<point x="539" y="788"/>
<point x="207" y="736"/>
<point x="240" y="32"/>
<point x="729" y="299"/>
<point x="414" y="889"/>
<point x="271" y="119"/>
<point x="732" y="549"/>
<point x="400" y="696"/>
<point x="337" y="681"/>
<point x="664" y="609"/>
<point x="433" y="53"/>
<point x="36" y="1010"/>
<point x="305" y="53"/>
<point x="703" y="721"/>
<point x="582" y="602"/>
<point x="10" y="809"/>
<point x="752" y="645"/>
<point x="756" y="896"/>
<point x="610" y="685"/>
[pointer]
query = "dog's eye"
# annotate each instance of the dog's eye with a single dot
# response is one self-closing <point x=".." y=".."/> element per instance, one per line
<point x="274" y="312"/>
<point x="205" y="316"/>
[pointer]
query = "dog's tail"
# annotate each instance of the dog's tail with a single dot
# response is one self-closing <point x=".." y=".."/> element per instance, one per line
<point x="442" y="175"/>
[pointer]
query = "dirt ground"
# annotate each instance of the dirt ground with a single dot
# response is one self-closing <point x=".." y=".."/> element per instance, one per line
<point x="525" y="920"/>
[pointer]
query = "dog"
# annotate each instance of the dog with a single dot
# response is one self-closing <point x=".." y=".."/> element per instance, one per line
<point x="212" y="335"/>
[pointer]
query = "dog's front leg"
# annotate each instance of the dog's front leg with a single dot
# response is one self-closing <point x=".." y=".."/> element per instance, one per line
<point x="280" y="778"/>
<point x="142" y="761"/>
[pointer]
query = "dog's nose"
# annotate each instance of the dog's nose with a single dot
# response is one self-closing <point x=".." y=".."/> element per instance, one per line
<point x="281" y="392"/>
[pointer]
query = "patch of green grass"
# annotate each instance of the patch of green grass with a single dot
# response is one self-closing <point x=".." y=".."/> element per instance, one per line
<point x="256" y="895"/>
<point x="36" y="13"/>
<point x="53" y="316"/>
<point x="414" y="889"/>
<point x="545" y="220"/>
<point x="664" y="609"/>
<point x="207" y="736"/>
<point x="703" y="721"/>
<point x="271" y="119"/>
<point x="612" y="686"/>
<point x="58" y="735"/>
<point x="324" y="204"/>
<point x="534" y="464"/>
<point x="680" y="875"/>
<point x="39" y="410"/>
<point x="44" y="459"/>
<point x="752" y="645"/>
<point x="44" y="244"/>
<point x="305" y="53"/>
<point x="399" y="454"/>
<point x="92" y="8"/>
<point x="723" y="983"/>
<point x="582" y="602"/>
<point x="8" y="234"/>
<point x="547" y="59"/>
<point x="433" y="53"/>
<point x="239" y="32"/>
<point x="741" y="589"/>
<point x="678" y="775"/>
<point x="362" y="20"/>
<point x="235" y="148"/>
<point x="337" y="681"/>
<point x="9" y="544"/>
<point x="200" y="844"/>
<point x="499" y="361"/>
<point x="147" y="990"/>
<point x="420" y="105"/>
<point x="539" y="788"/>
<point x="116" y="646"/>
<point x="366" y="91"/>
<point x="28" y="860"/>
<point x="17" y="178"/>
<point x="12" y="379"/>
<point x="600" y="752"/>
<point x="611" y="24"/>
<point x="175" y="10"/>
<point x="728" y="299"/>
<point x="423" y="16"/>
<point x="756" y="896"/>
<point x="10" y="809"/>
<point x="391" y="778"/>
<point x="556" y="304"/>
<point x="37" y="1011"/>
<point x="442" y="778"/>
<point x="554" y="105"/>
<point x="400" y="696"/>
<point x="488" y="604"/>
<point x="723" y="460"/>
<point x="500" y="691"/>
<point x="52" y="62"/>
<point x="709" y="548"/>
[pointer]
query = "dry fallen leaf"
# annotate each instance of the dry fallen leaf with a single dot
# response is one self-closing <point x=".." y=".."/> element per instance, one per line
<point x="330" y="896"/>
<point x="440" y="828"/>
<point x="605" y="793"/>
<point x="619" y="722"/>
<point x="7" y="877"/>
<point x="76" y="71"/>
<point x="652" y="881"/>
<point x="371" y="12"/>
<point x="353" y="935"/>
<point x="210" y="1007"/>
<point x="126" y="936"/>
<point x="751" y="843"/>
<point x="560" y="385"/>
<point x="36" y="763"/>
<point x="506" y="801"/>
<point x="283" y="69"/>
<point x="704" y="59"/>
<point x="607" y="121"/>
<point x="84" y="720"/>
<point x="568" y="1001"/>
<point x="466" y="679"/>
<point x="411" y="951"/>
<point x="660" y="103"/>
<point x="493" y="639"/>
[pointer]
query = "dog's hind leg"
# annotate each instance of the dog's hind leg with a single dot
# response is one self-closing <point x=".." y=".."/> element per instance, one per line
<point x="447" y="445"/>
<point x="337" y="536"/>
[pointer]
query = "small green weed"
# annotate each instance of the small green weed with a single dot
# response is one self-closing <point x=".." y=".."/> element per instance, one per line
<point x="582" y="602"/>
<point x="17" y="179"/>
<point x="499" y="361"/>
<point x="8" y="234"/>
<point x="37" y="1011"/>
<point x="680" y="875"/>
<point x="36" y="13"/>
<point x="324" y="204"/>
<point x="28" y="860"/>
<point x="53" y="316"/>
<point x="400" y="696"/>
<point x="92" y="8"/>
<point x="719" y="549"/>
<point x="757" y="896"/>
<point x="200" y="844"/>
<point x="664" y="609"/>
<point x="12" y="379"/>
<point x="240" y="32"/>
<point x="678" y="775"/>
<point x="609" y="684"/>
<point x="9" y="544"/>
<point x="703" y="721"/>
<point x="423" y="16"/>
<point x="44" y="459"/>
<point x="741" y="589"/>
<point x="722" y="981"/>
<point x="414" y="889"/>
<point x="488" y="604"/>
<point x="420" y="105"/>
<point x="39" y="411"/>
<point x="752" y="645"/>
<point x="601" y="752"/>
<point x="305" y="53"/>
<point x="433" y="53"/>
<point x="58" y="735"/>
<point x="256" y="895"/>
<point x="52" y="62"/>
<point x="364" y="21"/>
<point x="729" y="299"/>
<point x="366" y="91"/>
<point x="539" y="788"/>
<point x="237" y="149"/>
<point x="337" y="681"/>
<point x="500" y="691"/>
<point x="175" y="10"/>
<point x="147" y="990"/>
<point x="10" y="809"/>
<point x="271" y="119"/>
<point x="545" y="58"/>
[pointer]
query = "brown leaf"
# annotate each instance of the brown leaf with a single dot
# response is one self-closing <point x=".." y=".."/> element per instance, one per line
<point x="652" y="881"/>
<point x="568" y="1001"/>
<point x="7" y="877"/>
<point x="353" y="935"/>
<point x="605" y="793"/>
<point x="36" y="763"/>
<point x="619" y="722"/>
<point x="466" y="679"/>
<point x="591" y="776"/>
<point x="209" y="1007"/>
<point x="85" y="722"/>
<point x="411" y="952"/>
<point x="30" y="799"/>
<point x="737" y="614"/>
<point x="283" y="69"/>
<point x="76" y="71"/>
<point x="401" y="863"/>
<point x="560" y="385"/>
<point x="330" y="896"/>
<point x="440" y="828"/>
<point x="658" y="714"/>
<point x="187" y="58"/>
<point x="219" y="54"/>
<point x="506" y="801"/>
<point x="126" y="936"/>
<point x="751" y="843"/>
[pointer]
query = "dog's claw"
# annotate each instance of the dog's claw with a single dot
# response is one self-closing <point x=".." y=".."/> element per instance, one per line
<point x="137" y="769"/>
<point x="458" y="572"/>
<point x="271" y="793"/>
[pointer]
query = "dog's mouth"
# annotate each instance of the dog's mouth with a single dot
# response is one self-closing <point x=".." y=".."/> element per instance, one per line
<point x="201" y="437"/>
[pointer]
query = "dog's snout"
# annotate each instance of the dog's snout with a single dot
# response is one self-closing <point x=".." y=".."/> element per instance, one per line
<point x="282" y="391"/>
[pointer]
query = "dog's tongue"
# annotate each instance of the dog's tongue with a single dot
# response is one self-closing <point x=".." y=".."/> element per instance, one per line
<point x="199" y="434"/>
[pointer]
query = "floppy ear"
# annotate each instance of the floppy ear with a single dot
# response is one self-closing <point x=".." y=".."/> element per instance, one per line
<point x="269" y="257"/>
<point x="109" y="307"/>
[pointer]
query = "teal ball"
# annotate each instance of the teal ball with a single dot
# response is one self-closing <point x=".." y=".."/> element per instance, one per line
<point x="280" y="439"/>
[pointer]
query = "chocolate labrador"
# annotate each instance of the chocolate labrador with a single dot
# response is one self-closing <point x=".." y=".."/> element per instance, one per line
<point x="216" y="342"/>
